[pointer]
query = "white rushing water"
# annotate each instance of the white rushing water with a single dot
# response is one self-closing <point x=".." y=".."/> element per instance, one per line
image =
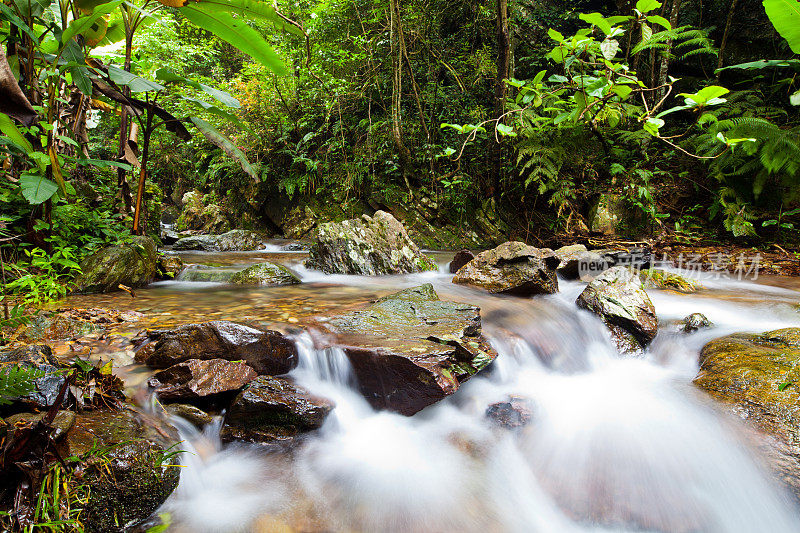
<point x="615" y="443"/>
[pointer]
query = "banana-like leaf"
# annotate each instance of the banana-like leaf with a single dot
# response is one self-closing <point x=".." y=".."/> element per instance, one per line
<point x="214" y="110"/>
<point x="9" y="129"/>
<point x="73" y="55"/>
<point x="252" y="9"/>
<point x="785" y="16"/>
<point x="56" y="168"/>
<point x="83" y="24"/>
<point x="217" y="138"/>
<point x="236" y="32"/>
<point x="37" y="189"/>
<point x="134" y="82"/>
<point x="168" y="76"/>
<point x="765" y="63"/>
<point x="13" y="101"/>
<point x="32" y="8"/>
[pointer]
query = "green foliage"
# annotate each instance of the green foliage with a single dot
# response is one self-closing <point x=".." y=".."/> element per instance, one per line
<point x="16" y="381"/>
<point x="785" y="16"/>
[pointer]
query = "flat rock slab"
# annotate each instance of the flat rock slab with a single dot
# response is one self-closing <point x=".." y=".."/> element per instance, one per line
<point x="266" y="351"/>
<point x="410" y="349"/>
<point x="196" y="379"/>
<point x="236" y="240"/>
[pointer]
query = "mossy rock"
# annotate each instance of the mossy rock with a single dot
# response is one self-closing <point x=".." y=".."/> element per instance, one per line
<point x="237" y="240"/>
<point x="410" y="349"/>
<point x="656" y="278"/>
<point x="265" y="274"/>
<point x="133" y="264"/>
<point x="127" y="473"/>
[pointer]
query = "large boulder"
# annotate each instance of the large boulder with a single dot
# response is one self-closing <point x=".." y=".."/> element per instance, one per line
<point x="201" y="214"/>
<point x="409" y="350"/>
<point x="265" y="274"/>
<point x="619" y="299"/>
<point x="512" y="268"/>
<point x="366" y="246"/>
<point x="274" y="410"/>
<point x="128" y="472"/>
<point x="575" y="261"/>
<point x="237" y="240"/>
<point x="39" y="360"/>
<point x="759" y="377"/>
<point x="195" y="379"/>
<point x="133" y="264"/>
<point x="267" y="351"/>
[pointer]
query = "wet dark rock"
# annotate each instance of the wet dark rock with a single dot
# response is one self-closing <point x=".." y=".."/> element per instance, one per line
<point x="132" y="264"/>
<point x="410" y="349"/>
<point x="267" y="351"/>
<point x="47" y="385"/>
<point x="366" y="246"/>
<point x="759" y="377"/>
<point x="461" y="258"/>
<point x="576" y="262"/>
<point x="274" y="410"/>
<point x="637" y="257"/>
<point x="61" y="424"/>
<point x="619" y="299"/>
<point x="513" y="413"/>
<point x="169" y="266"/>
<point x="169" y="236"/>
<point x="694" y="322"/>
<point x="132" y="478"/>
<point x="295" y="247"/>
<point x="265" y="274"/>
<point x="190" y="413"/>
<point x="195" y="379"/>
<point x="232" y="241"/>
<point x="512" y="268"/>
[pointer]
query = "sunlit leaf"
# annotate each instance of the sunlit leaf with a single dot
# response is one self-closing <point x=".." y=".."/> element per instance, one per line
<point x="220" y="140"/>
<point x="785" y="16"/>
<point x="37" y="189"/>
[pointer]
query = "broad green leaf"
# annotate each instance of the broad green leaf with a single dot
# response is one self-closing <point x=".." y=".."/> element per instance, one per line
<point x="37" y="189"/>
<point x="251" y="9"/>
<point x="609" y="48"/>
<point x="72" y="53"/>
<point x="16" y="21"/>
<point x="217" y="138"/>
<point x="618" y="19"/>
<point x="505" y="130"/>
<point x="558" y="54"/>
<point x="10" y="130"/>
<point x="785" y="16"/>
<point x="706" y="96"/>
<point x="168" y="76"/>
<point x="237" y="33"/>
<point x="214" y="110"/>
<point x="596" y="19"/>
<point x="623" y="91"/>
<point x="32" y="8"/>
<point x="83" y="24"/>
<point x="555" y="35"/>
<point x="661" y="21"/>
<point x="795" y="98"/>
<point x="765" y="63"/>
<point x="645" y="6"/>
<point x="652" y="125"/>
<point x="134" y="82"/>
<point x="647" y="33"/>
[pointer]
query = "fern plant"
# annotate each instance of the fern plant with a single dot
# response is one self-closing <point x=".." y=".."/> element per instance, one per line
<point x="17" y="381"/>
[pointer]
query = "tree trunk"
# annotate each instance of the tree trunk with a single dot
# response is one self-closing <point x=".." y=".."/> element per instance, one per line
<point x="397" y="87"/>
<point x="503" y="62"/>
<point x="124" y="128"/>
<point x="664" y="66"/>
<point x="137" y="214"/>
<point x="720" y="57"/>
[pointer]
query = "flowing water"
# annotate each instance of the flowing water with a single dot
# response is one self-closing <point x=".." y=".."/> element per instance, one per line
<point x="615" y="443"/>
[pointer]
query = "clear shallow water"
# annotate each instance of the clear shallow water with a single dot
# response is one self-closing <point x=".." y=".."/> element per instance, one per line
<point x="616" y="444"/>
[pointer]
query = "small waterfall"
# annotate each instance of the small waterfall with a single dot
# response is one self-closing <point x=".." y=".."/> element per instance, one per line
<point x="328" y="365"/>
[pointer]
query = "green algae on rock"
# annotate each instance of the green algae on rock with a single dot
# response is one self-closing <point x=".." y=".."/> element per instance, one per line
<point x="126" y="466"/>
<point x="411" y="349"/>
<point x="133" y="264"/>
<point x="656" y="278"/>
<point x="367" y="246"/>
<point x="265" y="273"/>
<point x="759" y="374"/>
<point x="237" y="240"/>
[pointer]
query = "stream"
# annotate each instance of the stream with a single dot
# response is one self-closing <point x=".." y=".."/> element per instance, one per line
<point x="615" y="443"/>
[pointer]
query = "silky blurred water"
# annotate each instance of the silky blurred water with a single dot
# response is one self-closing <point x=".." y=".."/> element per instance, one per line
<point x="615" y="443"/>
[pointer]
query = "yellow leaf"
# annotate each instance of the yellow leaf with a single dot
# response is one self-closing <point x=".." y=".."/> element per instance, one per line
<point x="59" y="177"/>
<point x="106" y="368"/>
